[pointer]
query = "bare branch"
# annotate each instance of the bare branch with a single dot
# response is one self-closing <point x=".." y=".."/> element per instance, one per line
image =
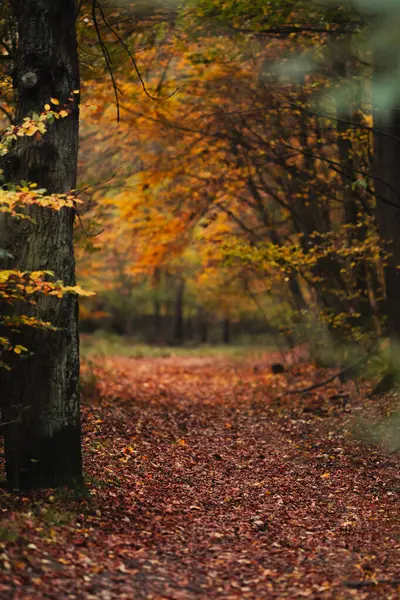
<point x="106" y="55"/>
<point x="129" y="53"/>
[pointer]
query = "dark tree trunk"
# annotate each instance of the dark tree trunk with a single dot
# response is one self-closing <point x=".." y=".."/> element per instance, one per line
<point x="179" y="326"/>
<point x="189" y="330"/>
<point x="202" y="323"/>
<point x="347" y="115"/>
<point x="294" y="286"/>
<point x="157" y="321"/>
<point x="44" y="448"/>
<point x="387" y="187"/>
<point x="226" y="331"/>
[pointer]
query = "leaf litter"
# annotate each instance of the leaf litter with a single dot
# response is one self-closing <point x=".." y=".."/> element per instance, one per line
<point x="206" y="480"/>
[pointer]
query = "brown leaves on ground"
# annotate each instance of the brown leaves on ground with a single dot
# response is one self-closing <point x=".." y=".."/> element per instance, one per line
<point x="207" y="481"/>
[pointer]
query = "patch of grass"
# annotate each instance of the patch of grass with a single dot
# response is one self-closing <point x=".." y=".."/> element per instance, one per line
<point x="9" y="532"/>
<point x="53" y="516"/>
<point x="383" y="431"/>
<point x="96" y="482"/>
<point x="88" y="380"/>
<point x="105" y="344"/>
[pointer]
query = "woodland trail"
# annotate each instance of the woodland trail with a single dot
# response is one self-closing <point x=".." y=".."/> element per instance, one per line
<point x="206" y="482"/>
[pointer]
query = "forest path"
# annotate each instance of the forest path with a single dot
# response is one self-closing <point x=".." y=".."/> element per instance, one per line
<point x="207" y="481"/>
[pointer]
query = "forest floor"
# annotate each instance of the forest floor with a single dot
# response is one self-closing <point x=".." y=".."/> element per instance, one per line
<point x="207" y="479"/>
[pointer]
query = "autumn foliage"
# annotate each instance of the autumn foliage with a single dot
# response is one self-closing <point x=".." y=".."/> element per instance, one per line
<point x="15" y="199"/>
<point x="248" y="176"/>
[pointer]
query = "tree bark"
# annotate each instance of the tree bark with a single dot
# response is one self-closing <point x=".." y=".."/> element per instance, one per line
<point x="179" y="326"/>
<point x="387" y="188"/>
<point x="157" y="319"/>
<point x="202" y="324"/>
<point x="226" y="331"/>
<point x="44" y="449"/>
<point x="347" y="115"/>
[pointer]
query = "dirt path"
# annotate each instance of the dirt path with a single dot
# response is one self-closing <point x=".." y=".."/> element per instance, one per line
<point x="207" y="482"/>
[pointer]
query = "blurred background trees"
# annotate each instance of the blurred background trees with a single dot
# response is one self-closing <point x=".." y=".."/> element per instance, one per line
<point x="245" y="182"/>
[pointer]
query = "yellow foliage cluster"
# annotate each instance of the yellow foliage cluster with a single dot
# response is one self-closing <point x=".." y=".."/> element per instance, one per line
<point x="22" y="286"/>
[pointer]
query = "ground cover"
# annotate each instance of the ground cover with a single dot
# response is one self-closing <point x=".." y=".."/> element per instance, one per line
<point x="207" y="478"/>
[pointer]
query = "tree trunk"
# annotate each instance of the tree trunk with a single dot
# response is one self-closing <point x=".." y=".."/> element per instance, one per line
<point x="387" y="187"/>
<point x="226" y="331"/>
<point x="347" y="116"/>
<point x="202" y="323"/>
<point x="179" y="328"/>
<point x="44" y="449"/>
<point x="157" y="320"/>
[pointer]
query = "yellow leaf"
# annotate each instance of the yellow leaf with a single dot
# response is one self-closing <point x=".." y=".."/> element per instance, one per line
<point x="325" y="476"/>
<point x="31" y="130"/>
<point x="54" y="101"/>
<point x="47" y="107"/>
<point x="75" y="92"/>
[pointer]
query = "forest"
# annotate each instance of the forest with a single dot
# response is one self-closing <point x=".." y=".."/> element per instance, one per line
<point x="199" y="299"/>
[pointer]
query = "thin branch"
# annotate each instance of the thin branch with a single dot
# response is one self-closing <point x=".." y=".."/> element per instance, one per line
<point x="106" y="55"/>
<point x="95" y="185"/>
<point x="357" y="585"/>
<point x="79" y="8"/>
<point x="8" y="115"/>
<point x="129" y="53"/>
<point x="291" y="29"/>
<point x="337" y="374"/>
<point x="344" y="121"/>
<point x="337" y="165"/>
<point x="85" y="231"/>
<point x="237" y="220"/>
<point x="7" y="423"/>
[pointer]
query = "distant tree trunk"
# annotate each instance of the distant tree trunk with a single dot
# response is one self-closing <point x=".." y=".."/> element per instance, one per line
<point x="189" y="332"/>
<point x="347" y="116"/>
<point x="202" y="323"/>
<point x="43" y="449"/>
<point x="226" y="331"/>
<point x="294" y="286"/>
<point x="157" y="318"/>
<point x="312" y="214"/>
<point x="179" y="326"/>
<point x="387" y="187"/>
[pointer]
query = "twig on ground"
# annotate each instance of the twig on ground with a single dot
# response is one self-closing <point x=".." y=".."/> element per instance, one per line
<point x="337" y="374"/>
<point x="356" y="585"/>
